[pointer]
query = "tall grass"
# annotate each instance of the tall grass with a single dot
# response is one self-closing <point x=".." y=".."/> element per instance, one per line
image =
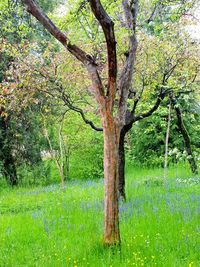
<point x="160" y="223"/>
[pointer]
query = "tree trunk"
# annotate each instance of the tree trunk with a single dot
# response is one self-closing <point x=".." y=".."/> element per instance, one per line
<point x="111" y="216"/>
<point x="121" y="166"/>
<point x="122" y="160"/>
<point x="167" y="141"/>
<point x="9" y="169"/>
<point x="186" y="138"/>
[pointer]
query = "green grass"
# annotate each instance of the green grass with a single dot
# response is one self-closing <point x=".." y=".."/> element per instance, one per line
<point x="160" y="224"/>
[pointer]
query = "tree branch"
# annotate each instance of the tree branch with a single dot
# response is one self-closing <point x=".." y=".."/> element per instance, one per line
<point x="130" y="11"/>
<point x="81" y="55"/>
<point x="108" y="29"/>
<point x="80" y="111"/>
<point x="152" y="110"/>
<point x="152" y="14"/>
<point x="168" y="73"/>
<point x="34" y="10"/>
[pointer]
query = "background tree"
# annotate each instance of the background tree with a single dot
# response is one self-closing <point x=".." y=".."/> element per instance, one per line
<point x="17" y="119"/>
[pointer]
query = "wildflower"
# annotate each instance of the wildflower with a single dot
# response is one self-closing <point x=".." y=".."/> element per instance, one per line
<point x="46" y="226"/>
<point x="190" y="264"/>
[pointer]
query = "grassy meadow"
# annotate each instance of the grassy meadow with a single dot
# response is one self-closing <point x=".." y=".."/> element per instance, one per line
<point x="160" y="223"/>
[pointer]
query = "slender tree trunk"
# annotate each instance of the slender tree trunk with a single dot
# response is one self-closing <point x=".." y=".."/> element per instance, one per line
<point x="121" y="166"/>
<point x="54" y="157"/>
<point x="167" y="141"/>
<point x="66" y="164"/>
<point x="186" y="138"/>
<point x="111" y="216"/>
<point x="62" y="158"/>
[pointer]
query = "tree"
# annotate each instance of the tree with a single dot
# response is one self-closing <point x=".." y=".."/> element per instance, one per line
<point x="19" y="122"/>
<point x="171" y="58"/>
<point x="112" y="121"/>
<point x="161" y="13"/>
<point x="16" y="120"/>
<point x="148" y="148"/>
<point x="186" y="137"/>
<point x="6" y="157"/>
<point x="112" y="97"/>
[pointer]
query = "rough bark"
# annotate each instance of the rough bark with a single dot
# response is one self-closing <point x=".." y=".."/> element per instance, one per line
<point x="111" y="129"/>
<point x="186" y="139"/>
<point x="111" y="215"/>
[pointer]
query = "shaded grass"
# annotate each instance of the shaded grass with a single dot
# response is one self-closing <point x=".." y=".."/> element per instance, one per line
<point x="160" y="224"/>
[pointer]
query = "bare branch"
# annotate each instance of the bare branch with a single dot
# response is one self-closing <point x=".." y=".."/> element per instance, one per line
<point x="152" y="14"/>
<point x="168" y="73"/>
<point x="80" y="111"/>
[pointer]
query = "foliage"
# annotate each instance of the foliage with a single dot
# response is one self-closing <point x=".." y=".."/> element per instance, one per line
<point x="147" y="138"/>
